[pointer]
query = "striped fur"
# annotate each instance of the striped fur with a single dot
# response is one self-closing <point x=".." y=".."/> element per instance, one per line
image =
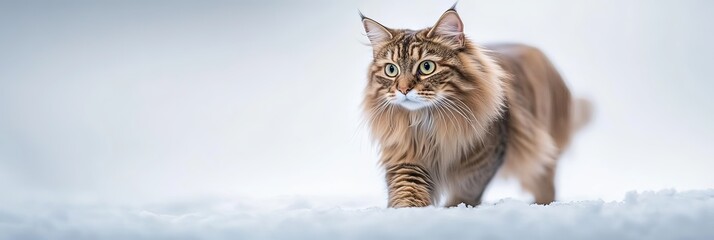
<point x="481" y="109"/>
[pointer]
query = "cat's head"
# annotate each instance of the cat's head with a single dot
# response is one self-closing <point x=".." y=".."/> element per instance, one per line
<point x="423" y="69"/>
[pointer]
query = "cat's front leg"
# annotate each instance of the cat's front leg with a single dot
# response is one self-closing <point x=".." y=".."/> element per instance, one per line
<point x="410" y="185"/>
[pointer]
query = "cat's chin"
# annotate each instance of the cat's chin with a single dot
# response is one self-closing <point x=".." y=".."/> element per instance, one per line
<point x="412" y="105"/>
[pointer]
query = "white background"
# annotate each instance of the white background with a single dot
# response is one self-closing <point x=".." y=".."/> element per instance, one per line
<point x="133" y="101"/>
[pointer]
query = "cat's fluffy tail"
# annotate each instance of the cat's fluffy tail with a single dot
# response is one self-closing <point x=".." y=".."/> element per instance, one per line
<point x="582" y="110"/>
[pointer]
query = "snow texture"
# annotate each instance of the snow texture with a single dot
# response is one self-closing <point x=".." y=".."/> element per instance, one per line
<point x="665" y="214"/>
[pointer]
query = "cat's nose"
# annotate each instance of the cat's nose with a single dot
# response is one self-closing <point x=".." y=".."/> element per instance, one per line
<point x="404" y="89"/>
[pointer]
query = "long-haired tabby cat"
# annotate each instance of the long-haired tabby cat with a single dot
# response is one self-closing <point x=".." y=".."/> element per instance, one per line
<point x="448" y="114"/>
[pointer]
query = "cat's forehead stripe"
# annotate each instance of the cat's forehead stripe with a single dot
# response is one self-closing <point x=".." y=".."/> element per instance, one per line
<point x="415" y="50"/>
<point x="409" y="46"/>
<point x="405" y="44"/>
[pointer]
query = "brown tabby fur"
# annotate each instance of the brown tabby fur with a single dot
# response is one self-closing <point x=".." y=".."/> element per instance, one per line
<point x="495" y="106"/>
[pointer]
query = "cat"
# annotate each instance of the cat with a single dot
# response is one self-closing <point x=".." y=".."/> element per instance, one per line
<point x="448" y="114"/>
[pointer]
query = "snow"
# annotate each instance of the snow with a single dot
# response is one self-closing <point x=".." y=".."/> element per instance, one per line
<point x="665" y="214"/>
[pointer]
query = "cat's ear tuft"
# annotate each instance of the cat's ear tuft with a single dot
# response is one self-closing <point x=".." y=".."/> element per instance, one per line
<point x="449" y="27"/>
<point x="376" y="33"/>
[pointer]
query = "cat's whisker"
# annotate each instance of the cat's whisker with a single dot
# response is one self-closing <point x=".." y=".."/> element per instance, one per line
<point x="465" y="107"/>
<point x="473" y="120"/>
<point x="377" y="110"/>
<point x="451" y="105"/>
<point x="436" y="107"/>
<point x="383" y="105"/>
<point x="391" y="110"/>
<point x="476" y="120"/>
<point x="452" y="120"/>
<point x="461" y="111"/>
<point x="454" y="107"/>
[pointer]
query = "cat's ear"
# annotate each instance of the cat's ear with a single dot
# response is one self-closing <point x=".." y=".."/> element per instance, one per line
<point x="450" y="28"/>
<point x="377" y="34"/>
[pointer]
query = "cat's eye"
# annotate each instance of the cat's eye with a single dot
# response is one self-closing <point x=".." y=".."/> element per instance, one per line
<point x="427" y="67"/>
<point x="391" y="70"/>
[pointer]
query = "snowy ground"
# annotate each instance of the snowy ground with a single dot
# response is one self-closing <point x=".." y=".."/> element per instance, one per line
<point x="647" y="215"/>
